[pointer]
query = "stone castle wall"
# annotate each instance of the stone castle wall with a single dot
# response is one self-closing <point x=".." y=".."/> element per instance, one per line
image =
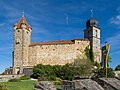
<point x="58" y="54"/>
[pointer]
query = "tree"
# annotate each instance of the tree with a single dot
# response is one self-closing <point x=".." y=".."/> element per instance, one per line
<point x="89" y="54"/>
<point x="67" y="72"/>
<point x="84" y="67"/>
<point x="43" y="71"/>
<point x="117" y="68"/>
<point x="102" y="73"/>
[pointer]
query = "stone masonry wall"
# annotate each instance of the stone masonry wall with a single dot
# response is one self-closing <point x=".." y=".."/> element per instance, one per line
<point x="58" y="54"/>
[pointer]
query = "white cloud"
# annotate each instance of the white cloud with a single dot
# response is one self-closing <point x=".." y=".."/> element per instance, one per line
<point x="115" y="20"/>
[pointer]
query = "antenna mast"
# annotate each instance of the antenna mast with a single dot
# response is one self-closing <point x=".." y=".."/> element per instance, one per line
<point x="23" y="13"/>
<point x="91" y="13"/>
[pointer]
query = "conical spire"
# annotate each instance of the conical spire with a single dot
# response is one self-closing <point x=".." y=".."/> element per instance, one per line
<point x="22" y="21"/>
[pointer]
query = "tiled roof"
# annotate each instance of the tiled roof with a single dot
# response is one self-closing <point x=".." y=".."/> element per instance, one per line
<point x="52" y="42"/>
<point x="22" y="21"/>
<point x="58" y="42"/>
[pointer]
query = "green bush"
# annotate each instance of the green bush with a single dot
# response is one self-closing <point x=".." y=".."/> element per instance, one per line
<point x="117" y="68"/>
<point x="65" y="72"/>
<point x="57" y="81"/>
<point x="43" y="78"/>
<point x="24" y="77"/>
<point x="3" y="87"/>
<point x="102" y="73"/>
<point x="14" y="80"/>
<point x="44" y="71"/>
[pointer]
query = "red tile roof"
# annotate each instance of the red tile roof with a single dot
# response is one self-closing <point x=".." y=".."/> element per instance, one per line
<point x="57" y="42"/>
<point x="22" y="21"/>
<point x="52" y="42"/>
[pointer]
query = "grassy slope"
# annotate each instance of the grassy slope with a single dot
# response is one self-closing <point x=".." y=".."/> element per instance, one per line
<point x="22" y="85"/>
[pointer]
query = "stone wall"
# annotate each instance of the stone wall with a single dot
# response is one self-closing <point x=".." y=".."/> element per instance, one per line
<point x="28" y="71"/>
<point x="5" y="78"/>
<point x="58" y="54"/>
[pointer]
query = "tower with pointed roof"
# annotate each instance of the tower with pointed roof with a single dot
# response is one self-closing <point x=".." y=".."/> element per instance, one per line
<point x="22" y="34"/>
<point x="92" y="33"/>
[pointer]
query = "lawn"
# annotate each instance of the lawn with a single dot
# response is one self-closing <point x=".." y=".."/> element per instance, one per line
<point x="22" y="85"/>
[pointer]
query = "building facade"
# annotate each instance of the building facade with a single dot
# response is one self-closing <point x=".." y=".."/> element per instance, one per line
<point x="27" y="54"/>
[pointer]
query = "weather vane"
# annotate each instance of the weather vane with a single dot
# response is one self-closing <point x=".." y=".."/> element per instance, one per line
<point x="91" y="13"/>
<point x="23" y="13"/>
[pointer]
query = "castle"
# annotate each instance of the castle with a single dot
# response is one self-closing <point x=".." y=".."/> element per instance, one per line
<point x="27" y="54"/>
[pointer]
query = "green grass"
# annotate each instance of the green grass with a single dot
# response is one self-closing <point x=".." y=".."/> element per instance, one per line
<point x="22" y="85"/>
<point x="58" y="87"/>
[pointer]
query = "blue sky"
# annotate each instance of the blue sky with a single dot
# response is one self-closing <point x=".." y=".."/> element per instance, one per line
<point x="59" y="20"/>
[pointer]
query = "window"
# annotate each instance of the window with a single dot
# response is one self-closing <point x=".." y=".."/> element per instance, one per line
<point x="96" y="33"/>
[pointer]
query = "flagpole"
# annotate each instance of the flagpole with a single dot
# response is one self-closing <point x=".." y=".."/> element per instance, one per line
<point x="107" y="51"/>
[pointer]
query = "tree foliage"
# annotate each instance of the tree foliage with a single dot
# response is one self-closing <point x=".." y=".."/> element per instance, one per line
<point x="117" y="68"/>
<point x="102" y="73"/>
<point x="89" y="53"/>
<point x="81" y="67"/>
<point x="43" y="71"/>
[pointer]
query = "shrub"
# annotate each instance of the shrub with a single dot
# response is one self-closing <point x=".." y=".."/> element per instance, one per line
<point x="57" y="81"/>
<point x="42" y="78"/>
<point x="44" y="71"/>
<point x="117" y="68"/>
<point x="102" y="73"/>
<point x="14" y="80"/>
<point x="3" y="87"/>
<point x="24" y="77"/>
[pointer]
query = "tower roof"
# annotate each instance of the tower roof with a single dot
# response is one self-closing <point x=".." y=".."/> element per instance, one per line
<point x="92" y="22"/>
<point x="23" y="21"/>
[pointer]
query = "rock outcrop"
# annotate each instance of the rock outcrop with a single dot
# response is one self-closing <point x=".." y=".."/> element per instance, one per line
<point x="83" y="84"/>
<point x="44" y="85"/>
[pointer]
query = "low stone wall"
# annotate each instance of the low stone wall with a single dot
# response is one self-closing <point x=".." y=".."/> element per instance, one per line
<point x="8" y="71"/>
<point x="5" y="78"/>
<point x="28" y="71"/>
